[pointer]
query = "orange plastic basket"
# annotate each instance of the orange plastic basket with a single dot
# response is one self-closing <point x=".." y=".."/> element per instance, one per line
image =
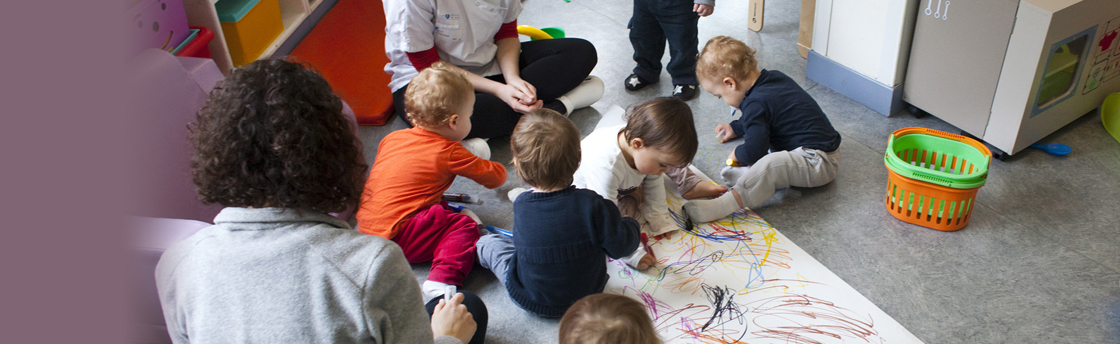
<point x="928" y="205"/>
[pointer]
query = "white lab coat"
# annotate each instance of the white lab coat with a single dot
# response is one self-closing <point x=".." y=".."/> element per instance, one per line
<point x="461" y="30"/>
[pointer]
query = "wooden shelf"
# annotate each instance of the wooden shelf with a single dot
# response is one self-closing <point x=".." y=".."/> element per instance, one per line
<point x="202" y="13"/>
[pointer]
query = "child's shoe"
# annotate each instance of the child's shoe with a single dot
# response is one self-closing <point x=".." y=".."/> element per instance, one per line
<point x="432" y="289"/>
<point x="588" y="92"/>
<point x="634" y="83"/>
<point x="685" y="92"/>
<point x="477" y="146"/>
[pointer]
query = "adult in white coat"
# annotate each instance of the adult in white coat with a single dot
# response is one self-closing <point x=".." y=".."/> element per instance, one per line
<point x="510" y="78"/>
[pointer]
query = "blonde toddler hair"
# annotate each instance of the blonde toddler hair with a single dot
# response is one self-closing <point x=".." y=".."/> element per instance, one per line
<point x="545" y="146"/>
<point x="435" y="94"/>
<point x="607" y="319"/>
<point x="724" y="57"/>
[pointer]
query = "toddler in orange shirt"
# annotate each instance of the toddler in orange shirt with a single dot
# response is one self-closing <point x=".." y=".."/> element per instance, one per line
<point x="402" y="197"/>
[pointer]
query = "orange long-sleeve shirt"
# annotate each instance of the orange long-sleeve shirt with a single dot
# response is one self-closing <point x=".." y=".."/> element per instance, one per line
<point x="412" y="170"/>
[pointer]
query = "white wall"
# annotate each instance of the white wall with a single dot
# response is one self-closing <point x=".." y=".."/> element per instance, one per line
<point x="872" y="37"/>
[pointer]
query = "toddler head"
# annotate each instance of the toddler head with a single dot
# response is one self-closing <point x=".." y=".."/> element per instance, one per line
<point x="725" y="62"/>
<point x="273" y="134"/>
<point x="607" y="319"/>
<point x="440" y="98"/>
<point x="546" y="151"/>
<point x="660" y="133"/>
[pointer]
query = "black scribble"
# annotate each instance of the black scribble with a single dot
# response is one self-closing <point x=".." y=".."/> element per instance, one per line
<point x="725" y="310"/>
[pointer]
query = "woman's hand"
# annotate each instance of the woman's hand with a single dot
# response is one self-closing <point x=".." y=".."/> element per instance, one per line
<point x="518" y="100"/>
<point x="525" y="87"/>
<point x="453" y="319"/>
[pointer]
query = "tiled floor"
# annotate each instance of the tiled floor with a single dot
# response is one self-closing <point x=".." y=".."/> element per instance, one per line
<point x="1039" y="262"/>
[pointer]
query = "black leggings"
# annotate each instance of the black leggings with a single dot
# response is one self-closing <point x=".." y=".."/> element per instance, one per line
<point x="553" y="66"/>
<point x="475" y="306"/>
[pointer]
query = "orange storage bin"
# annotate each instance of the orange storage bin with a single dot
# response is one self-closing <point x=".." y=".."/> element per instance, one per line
<point x="249" y="26"/>
<point x="928" y="205"/>
<point x="934" y="193"/>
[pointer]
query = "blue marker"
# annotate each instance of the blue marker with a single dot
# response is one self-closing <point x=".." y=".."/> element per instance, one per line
<point x="493" y="229"/>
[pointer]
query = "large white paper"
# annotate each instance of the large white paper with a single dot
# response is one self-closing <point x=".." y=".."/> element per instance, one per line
<point x="739" y="280"/>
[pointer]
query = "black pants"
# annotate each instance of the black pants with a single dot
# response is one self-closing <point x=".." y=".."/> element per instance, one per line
<point x="553" y="66"/>
<point x="654" y="22"/>
<point x="475" y="306"/>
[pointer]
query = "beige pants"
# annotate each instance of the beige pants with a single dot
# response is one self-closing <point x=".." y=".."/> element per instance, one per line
<point x="800" y="167"/>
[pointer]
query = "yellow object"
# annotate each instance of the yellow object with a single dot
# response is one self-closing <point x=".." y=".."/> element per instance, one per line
<point x="532" y="32"/>
<point x="248" y="37"/>
<point x="732" y="163"/>
<point x="1110" y="115"/>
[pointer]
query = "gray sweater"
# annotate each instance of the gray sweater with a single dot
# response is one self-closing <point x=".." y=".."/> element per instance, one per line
<point x="273" y="276"/>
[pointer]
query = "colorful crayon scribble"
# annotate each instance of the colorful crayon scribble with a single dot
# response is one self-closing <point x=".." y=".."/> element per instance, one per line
<point x="738" y="280"/>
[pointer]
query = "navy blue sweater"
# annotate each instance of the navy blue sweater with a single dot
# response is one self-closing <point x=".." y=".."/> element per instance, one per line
<point x="561" y="242"/>
<point x="779" y="115"/>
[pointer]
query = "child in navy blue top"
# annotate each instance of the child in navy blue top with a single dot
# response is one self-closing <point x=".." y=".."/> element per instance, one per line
<point x="654" y="22"/>
<point x="562" y="234"/>
<point x="787" y="139"/>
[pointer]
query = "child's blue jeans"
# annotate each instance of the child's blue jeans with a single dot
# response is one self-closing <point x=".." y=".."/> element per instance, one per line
<point x="654" y="22"/>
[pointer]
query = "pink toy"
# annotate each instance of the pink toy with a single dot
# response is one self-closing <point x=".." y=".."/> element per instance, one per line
<point x="160" y="24"/>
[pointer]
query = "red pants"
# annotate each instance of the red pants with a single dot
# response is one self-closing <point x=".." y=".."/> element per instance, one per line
<point x="444" y="237"/>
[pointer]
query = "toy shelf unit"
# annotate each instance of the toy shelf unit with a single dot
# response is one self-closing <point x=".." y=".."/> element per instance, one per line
<point x="1011" y="72"/>
<point x="207" y="13"/>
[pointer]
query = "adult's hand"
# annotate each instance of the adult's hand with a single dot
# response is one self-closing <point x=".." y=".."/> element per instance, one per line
<point x="526" y="88"/>
<point x="453" y="319"/>
<point x="517" y="99"/>
<point x="703" y="10"/>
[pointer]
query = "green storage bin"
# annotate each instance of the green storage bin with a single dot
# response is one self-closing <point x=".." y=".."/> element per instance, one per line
<point x="938" y="157"/>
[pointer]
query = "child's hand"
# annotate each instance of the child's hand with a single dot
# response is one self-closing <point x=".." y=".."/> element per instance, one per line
<point x="724" y="133"/>
<point x="646" y="262"/>
<point x="703" y="10"/>
<point x="453" y="319"/>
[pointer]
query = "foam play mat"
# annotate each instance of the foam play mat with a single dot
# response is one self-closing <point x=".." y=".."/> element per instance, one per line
<point x="348" y="48"/>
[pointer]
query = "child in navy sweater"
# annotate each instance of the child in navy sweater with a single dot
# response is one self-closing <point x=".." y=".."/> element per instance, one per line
<point x="787" y="139"/>
<point x="562" y="235"/>
<point x="655" y="22"/>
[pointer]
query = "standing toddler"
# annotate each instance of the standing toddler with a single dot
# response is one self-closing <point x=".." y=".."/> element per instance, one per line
<point x="652" y="24"/>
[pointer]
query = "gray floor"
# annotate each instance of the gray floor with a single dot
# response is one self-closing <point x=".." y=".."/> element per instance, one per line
<point x="1039" y="262"/>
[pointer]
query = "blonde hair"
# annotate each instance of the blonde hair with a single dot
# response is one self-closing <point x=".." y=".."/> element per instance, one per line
<point x="545" y="147"/>
<point x="724" y="57"/>
<point x="435" y="94"/>
<point x="607" y="319"/>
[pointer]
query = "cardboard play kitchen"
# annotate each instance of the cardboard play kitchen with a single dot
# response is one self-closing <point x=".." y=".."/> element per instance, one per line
<point x="1011" y="72"/>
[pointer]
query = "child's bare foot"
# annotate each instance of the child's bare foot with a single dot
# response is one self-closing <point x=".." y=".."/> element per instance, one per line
<point x="646" y="262"/>
<point x="704" y="190"/>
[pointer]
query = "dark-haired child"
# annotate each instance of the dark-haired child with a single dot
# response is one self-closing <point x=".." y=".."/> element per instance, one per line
<point x="402" y="199"/>
<point x="787" y="139"/>
<point x="626" y="164"/>
<point x="607" y="319"/>
<point x="563" y="234"/>
<point x="272" y="145"/>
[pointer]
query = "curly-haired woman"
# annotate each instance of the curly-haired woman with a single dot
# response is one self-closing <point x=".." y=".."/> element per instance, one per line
<point x="272" y="146"/>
